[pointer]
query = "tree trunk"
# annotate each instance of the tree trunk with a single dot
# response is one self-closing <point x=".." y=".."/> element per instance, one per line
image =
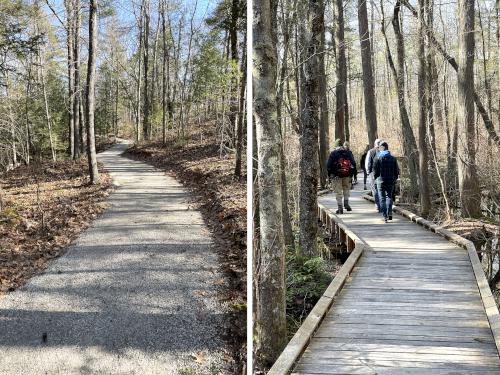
<point x="165" y="74"/>
<point x="241" y="113"/>
<point x="47" y="111"/>
<point x="341" y="118"/>
<point x="323" y="124"/>
<point x="409" y="142"/>
<point x="425" y="199"/>
<point x="145" y="120"/>
<point x="91" y="152"/>
<point x="139" y="78"/>
<point x="270" y="306"/>
<point x="366" y="64"/>
<point x="312" y="29"/>
<point x="76" y="84"/>
<point x="233" y="41"/>
<point x="470" y="197"/>
<point x="71" y="74"/>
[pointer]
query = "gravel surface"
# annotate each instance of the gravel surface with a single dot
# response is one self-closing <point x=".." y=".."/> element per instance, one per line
<point x="136" y="293"/>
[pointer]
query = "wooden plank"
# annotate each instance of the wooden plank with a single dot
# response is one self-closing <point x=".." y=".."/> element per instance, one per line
<point x="410" y="342"/>
<point x="325" y="344"/>
<point x="423" y="365"/>
<point x="449" y="313"/>
<point x="375" y="303"/>
<point x="454" y="358"/>
<point x="369" y="369"/>
<point x="411" y="321"/>
<point x="407" y="330"/>
<point x="412" y="284"/>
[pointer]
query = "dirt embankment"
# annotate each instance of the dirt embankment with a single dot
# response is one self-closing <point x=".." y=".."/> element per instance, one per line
<point x="44" y="207"/>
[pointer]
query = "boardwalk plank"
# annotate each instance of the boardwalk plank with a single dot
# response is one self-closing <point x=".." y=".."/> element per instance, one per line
<point x="410" y="306"/>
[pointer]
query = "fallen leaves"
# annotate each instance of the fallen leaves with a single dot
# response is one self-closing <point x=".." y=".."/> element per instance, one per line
<point x="200" y="357"/>
<point x="45" y="208"/>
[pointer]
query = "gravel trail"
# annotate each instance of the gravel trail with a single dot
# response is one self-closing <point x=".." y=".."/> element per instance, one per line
<point x="135" y="294"/>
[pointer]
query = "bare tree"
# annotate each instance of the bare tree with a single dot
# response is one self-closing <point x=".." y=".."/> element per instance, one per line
<point x="270" y="317"/>
<point x="425" y="200"/>
<point x="366" y="64"/>
<point x="470" y="197"/>
<point x="312" y="29"/>
<point x="91" y="152"/>
<point x="341" y="112"/>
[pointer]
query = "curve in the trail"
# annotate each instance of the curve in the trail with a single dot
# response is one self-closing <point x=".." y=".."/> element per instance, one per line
<point x="136" y="293"/>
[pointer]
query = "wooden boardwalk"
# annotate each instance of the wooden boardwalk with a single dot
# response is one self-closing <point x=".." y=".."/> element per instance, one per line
<point x="410" y="306"/>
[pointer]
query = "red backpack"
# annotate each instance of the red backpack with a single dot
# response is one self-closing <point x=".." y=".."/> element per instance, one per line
<point x="344" y="167"/>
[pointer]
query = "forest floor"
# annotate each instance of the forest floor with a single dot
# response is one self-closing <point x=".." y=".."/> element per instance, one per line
<point x="198" y="164"/>
<point x="45" y="208"/>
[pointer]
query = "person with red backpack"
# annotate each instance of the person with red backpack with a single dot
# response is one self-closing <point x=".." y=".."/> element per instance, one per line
<point x="341" y="167"/>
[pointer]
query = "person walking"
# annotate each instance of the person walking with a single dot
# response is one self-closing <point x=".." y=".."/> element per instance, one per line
<point x="362" y="163"/>
<point x="354" y="178"/>
<point x="341" y="167"/>
<point x="385" y="173"/>
<point x="370" y="158"/>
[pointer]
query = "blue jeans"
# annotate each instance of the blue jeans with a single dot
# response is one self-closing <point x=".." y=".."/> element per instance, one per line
<point x="385" y="197"/>
<point x="373" y="187"/>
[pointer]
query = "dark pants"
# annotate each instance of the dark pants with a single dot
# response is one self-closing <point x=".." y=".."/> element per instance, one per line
<point x="365" y="175"/>
<point x="385" y="191"/>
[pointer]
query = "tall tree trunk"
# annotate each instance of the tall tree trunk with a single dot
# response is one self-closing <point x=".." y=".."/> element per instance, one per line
<point x="46" y="102"/>
<point x="76" y="84"/>
<point x="71" y="74"/>
<point x="270" y="309"/>
<point x="165" y="74"/>
<point x="91" y="152"/>
<point x="341" y="118"/>
<point x="425" y="199"/>
<point x="233" y="41"/>
<point x="366" y="64"/>
<point x="287" y="22"/>
<point x="470" y="197"/>
<point x="139" y="77"/>
<point x="323" y="124"/>
<point x="145" y="121"/>
<point x="241" y="113"/>
<point x="409" y="142"/>
<point x="312" y="29"/>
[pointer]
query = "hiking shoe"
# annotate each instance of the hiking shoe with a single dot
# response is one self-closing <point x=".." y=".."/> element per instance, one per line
<point x="347" y="207"/>
<point x="390" y="217"/>
<point x="364" y="188"/>
<point x="385" y="219"/>
<point x="340" y="210"/>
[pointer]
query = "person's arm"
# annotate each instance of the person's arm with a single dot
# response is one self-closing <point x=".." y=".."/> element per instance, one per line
<point x="396" y="169"/>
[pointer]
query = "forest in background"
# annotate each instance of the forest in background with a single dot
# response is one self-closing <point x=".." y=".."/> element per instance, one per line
<point x="161" y="68"/>
<point x="421" y="75"/>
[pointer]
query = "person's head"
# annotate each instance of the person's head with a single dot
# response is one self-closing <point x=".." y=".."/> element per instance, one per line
<point x="346" y="145"/>
<point x="377" y="142"/>
<point x="383" y="146"/>
<point x="338" y="143"/>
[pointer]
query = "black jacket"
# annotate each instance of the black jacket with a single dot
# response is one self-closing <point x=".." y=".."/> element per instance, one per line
<point x="385" y="168"/>
<point x="333" y="161"/>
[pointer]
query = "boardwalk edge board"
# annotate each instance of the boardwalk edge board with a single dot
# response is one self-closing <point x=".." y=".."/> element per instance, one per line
<point x="294" y="349"/>
<point x="489" y="303"/>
